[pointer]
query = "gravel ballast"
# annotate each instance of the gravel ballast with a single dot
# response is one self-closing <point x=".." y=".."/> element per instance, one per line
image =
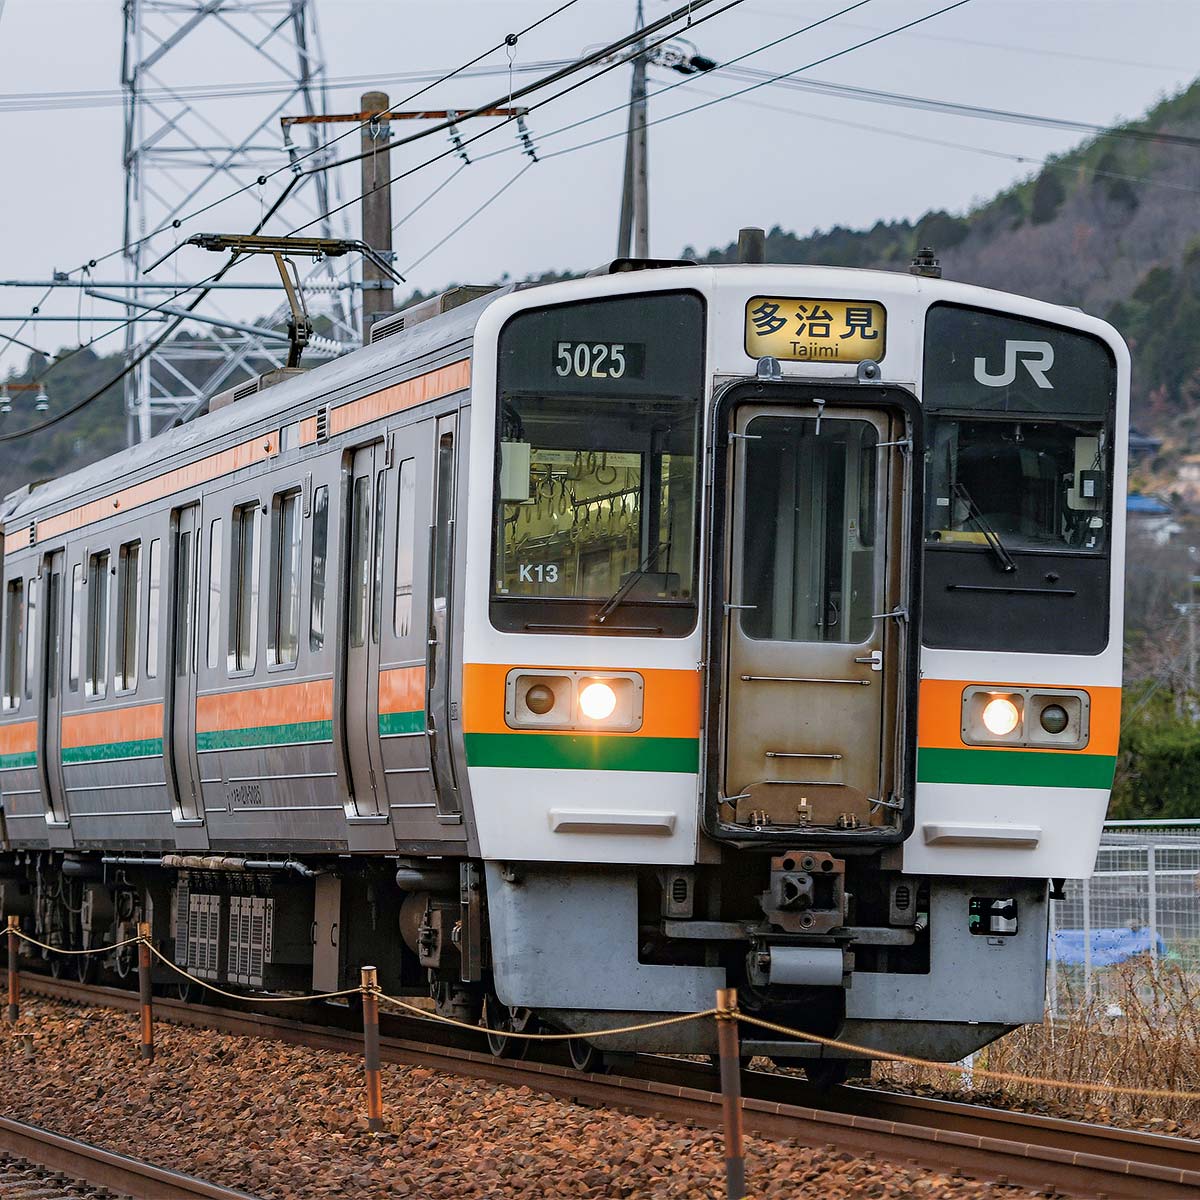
<point x="283" y="1121"/>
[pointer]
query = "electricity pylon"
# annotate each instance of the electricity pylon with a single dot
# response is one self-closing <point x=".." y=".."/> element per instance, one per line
<point x="182" y="152"/>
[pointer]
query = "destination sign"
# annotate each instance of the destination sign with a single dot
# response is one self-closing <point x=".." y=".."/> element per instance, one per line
<point x="800" y="329"/>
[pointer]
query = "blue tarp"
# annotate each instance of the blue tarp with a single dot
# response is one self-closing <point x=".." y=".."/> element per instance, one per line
<point x="1109" y="946"/>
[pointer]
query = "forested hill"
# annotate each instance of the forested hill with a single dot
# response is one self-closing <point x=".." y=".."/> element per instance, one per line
<point x="1113" y="227"/>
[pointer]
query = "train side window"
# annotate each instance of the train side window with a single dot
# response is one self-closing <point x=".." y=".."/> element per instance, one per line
<point x="320" y="555"/>
<point x="243" y="586"/>
<point x="215" y="557"/>
<point x="377" y="556"/>
<point x="96" y="683"/>
<point x="155" y="594"/>
<point x="129" y="588"/>
<point x="31" y="606"/>
<point x="14" y="629"/>
<point x="406" y="515"/>
<point x="73" y="649"/>
<point x="283" y="636"/>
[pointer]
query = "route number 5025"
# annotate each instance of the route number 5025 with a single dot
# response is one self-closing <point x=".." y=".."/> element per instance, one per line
<point x="590" y="360"/>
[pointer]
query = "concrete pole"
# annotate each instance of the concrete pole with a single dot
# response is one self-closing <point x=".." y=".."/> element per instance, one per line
<point x="377" y="296"/>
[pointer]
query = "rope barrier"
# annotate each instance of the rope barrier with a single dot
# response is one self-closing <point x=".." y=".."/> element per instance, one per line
<point x="545" y="1037"/>
<point x="63" y="950"/>
<point x="354" y="991"/>
<point x="956" y="1068"/>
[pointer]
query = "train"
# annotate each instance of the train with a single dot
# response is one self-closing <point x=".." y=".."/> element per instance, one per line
<point x="572" y="651"/>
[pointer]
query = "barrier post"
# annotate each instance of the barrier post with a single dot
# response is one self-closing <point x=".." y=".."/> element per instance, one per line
<point x="145" y="987"/>
<point x="370" y="1004"/>
<point x="14" y="978"/>
<point x="731" y="1093"/>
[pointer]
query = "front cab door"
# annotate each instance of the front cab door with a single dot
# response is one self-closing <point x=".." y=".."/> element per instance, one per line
<point x="814" y="684"/>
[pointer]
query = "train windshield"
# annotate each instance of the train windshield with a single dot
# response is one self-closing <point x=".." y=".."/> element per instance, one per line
<point x="596" y="498"/>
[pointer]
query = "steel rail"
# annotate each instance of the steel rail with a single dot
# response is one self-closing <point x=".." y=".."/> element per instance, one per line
<point x="1060" y="1156"/>
<point x="102" y="1168"/>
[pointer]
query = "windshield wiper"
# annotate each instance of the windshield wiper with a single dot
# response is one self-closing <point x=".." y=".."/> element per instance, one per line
<point x="996" y="546"/>
<point x="606" y="609"/>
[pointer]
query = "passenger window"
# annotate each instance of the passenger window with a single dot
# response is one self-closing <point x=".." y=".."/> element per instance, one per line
<point x="320" y="553"/>
<point x="243" y="584"/>
<point x="406" y="511"/>
<point x="184" y="596"/>
<point x="31" y="604"/>
<point x="76" y="627"/>
<point x="14" y="629"/>
<point x="215" y="558"/>
<point x="284" y="634"/>
<point x="377" y="558"/>
<point x="129" y="588"/>
<point x="152" y="615"/>
<point x="97" y="633"/>
<point x="360" y="566"/>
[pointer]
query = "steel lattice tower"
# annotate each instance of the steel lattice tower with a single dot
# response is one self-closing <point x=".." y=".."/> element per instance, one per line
<point x="183" y="150"/>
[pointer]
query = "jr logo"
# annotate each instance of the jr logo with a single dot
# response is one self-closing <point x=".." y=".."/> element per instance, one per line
<point x="1038" y="358"/>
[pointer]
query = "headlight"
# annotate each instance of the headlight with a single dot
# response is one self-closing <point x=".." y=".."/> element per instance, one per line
<point x="1001" y="716"/>
<point x="597" y="701"/>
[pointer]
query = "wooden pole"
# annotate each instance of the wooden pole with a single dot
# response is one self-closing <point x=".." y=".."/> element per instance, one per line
<point x="731" y="1093"/>
<point x="14" y="978"/>
<point x="146" y="989"/>
<point x="370" y="983"/>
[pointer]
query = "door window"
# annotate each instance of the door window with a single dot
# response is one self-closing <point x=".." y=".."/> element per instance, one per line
<point x="406" y="514"/>
<point x="14" y="628"/>
<point x="129" y="587"/>
<point x="320" y="556"/>
<point x="54" y="632"/>
<point x="155" y="591"/>
<point x="285" y="580"/>
<point x="360" y="565"/>
<point x="73" y="653"/>
<point x="184" y="603"/>
<point x="31" y="604"/>
<point x="243" y="583"/>
<point x="808" y="536"/>
<point x="97" y="625"/>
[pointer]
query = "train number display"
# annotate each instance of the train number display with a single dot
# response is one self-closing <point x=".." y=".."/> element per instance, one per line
<point x="599" y="360"/>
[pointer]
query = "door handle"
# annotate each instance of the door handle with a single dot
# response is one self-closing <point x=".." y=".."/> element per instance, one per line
<point x="875" y="658"/>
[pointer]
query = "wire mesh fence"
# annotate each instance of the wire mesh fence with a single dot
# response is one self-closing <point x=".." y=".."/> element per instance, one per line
<point x="1142" y="901"/>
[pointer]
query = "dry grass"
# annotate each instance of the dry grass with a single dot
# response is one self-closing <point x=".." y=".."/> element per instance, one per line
<point x="1140" y="1028"/>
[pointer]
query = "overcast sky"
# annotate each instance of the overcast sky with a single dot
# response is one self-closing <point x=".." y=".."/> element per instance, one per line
<point x="779" y="156"/>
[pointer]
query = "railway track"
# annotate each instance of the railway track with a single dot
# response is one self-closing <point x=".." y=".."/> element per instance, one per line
<point x="36" y="1164"/>
<point x="1059" y="1157"/>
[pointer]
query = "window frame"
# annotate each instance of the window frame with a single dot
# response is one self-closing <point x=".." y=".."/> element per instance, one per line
<point x="122" y="686"/>
<point x="321" y="503"/>
<point x="95" y="683"/>
<point x="75" y="629"/>
<point x="14" y="646"/>
<point x="153" y="607"/>
<point x="292" y="496"/>
<point x="404" y="548"/>
<point x="244" y="589"/>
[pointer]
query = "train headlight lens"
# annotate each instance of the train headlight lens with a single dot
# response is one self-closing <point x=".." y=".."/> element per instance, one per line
<point x="597" y="701"/>
<point x="539" y="699"/>
<point x="1001" y="716"/>
<point x="1054" y="718"/>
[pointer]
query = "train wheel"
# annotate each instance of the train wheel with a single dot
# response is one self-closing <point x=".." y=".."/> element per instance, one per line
<point x="499" y="1020"/>
<point x="826" y="1072"/>
<point x="186" y="990"/>
<point x="585" y="1056"/>
<point x="57" y="966"/>
<point x="85" y="968"/>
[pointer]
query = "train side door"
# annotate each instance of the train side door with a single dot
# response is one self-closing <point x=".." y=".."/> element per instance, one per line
<point x="50" y="690"/>
<point x="441" y="624"/>
<point x="179" y="716"/>
<point x="364" y="617"/>
<point x="812" y="680"/>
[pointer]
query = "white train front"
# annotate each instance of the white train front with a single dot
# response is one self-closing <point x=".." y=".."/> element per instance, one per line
<point x="574" y="651"/>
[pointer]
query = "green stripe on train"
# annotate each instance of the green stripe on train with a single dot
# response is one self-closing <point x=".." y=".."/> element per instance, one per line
<point x="106" y="752"/>
<point x="583" y="752"/>
<point x="391" y="724"/>
<point x="265" y="735"/>
<point x="10" y="762"/>
<point x="1016" y="768"/>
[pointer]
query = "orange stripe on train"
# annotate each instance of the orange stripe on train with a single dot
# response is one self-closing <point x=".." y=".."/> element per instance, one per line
<point x="105" y="726"/>
<point x="19" y="738"/>
<point x="402" y="690"/>
<point x="282" y="704"/>
<point x="939" y="714"/>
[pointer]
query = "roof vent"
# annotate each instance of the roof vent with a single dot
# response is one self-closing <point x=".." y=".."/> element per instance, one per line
<point x="251" y="387"/>
<point x="323" y="423"/>
<point x="427" y="309"/>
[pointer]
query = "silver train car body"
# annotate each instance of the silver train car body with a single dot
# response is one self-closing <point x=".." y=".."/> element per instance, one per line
<point x="583" y="649"/>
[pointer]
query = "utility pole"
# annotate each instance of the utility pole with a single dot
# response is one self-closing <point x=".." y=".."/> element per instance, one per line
<point x="378" y="299"/>
<point x="635" y="194"/>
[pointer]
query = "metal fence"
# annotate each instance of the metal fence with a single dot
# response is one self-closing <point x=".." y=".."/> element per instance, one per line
<point x="1144" y="899"/>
